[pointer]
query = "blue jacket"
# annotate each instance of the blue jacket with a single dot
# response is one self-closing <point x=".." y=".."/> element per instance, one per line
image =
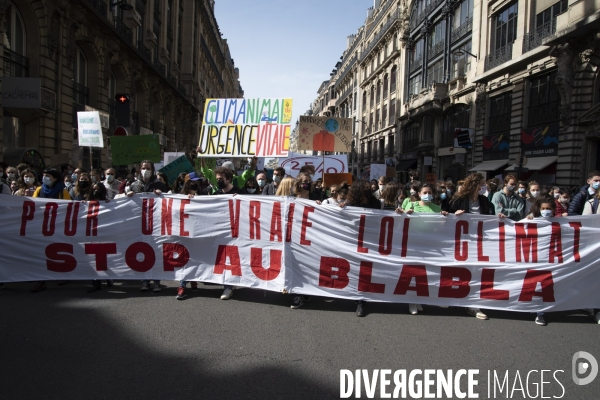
<point x="578" y="201"/>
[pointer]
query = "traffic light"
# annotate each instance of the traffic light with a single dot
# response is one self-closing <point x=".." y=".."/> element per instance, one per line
<point x="122" y="109"/>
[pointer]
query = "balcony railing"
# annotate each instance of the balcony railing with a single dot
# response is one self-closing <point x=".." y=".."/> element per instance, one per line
<point x="462" y="30"/>
<point x="416" y="64"/>
<point x="144" y="51"/>
<point x="15" y="64"/>
<point x="424" y="13"/>
<point x="381" y="34"/>
<point x="435" y="49"/>
<point x="545" y="113"/>
<point x="123" y="31"/>
<point x="347" y="68"/>
<point x="344" y="95"/>
<point x="498" y="57"/>
<point x="534" y="39"/>
<point x="380" y="15"/>
<point x="99" y="6"/>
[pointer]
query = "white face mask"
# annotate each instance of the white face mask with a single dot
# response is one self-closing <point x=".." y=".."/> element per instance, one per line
<point x="534" y="193"/>
<point x="483" y="189"/>
<point x="564" y="199"/>
<point x="110" y="178"/>
<point x="146" y="173"/>
<point x="261" y="182"/>
<point x="381" y="187"/>
<point x="29" y="180"/>
<point x="126" y="189"/>
<point x="412" y="192"/>
<point x="556" y="195"/>
<point x="251" y="190"/>
<point x="546" y="213"/>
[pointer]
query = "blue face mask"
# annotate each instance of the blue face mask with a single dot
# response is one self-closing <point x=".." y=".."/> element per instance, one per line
<point x="596" y="185"/>
<point x="427" y="197"/>
<point x="443" y="196"/>
<point x="521" y="191"/>
<point x="47" y="181"/>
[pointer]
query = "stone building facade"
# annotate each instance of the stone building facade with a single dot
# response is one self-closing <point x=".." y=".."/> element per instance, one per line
<point x="168" y="55"/>
<point x="513" y="78"/>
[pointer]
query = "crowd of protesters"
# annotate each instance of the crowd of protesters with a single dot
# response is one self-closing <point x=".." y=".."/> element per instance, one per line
<point x="508" y="198"/>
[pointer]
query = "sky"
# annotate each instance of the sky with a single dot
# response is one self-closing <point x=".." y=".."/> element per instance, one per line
<point x="287" y="48"/>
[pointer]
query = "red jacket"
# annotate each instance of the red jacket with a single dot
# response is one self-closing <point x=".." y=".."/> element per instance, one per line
<point x="560" y="210"/>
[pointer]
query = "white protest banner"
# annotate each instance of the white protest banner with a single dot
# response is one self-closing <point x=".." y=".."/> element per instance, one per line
<point x="245" y="128"/>
<point x="278" y="244"/>
<point x="89" y="129"/>
<point x="377" y="170"/>
<point x="334" y="164"/>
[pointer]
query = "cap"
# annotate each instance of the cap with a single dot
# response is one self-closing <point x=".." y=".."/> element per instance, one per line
<point x="228" y="164"/>
<point x="193" y="176"/>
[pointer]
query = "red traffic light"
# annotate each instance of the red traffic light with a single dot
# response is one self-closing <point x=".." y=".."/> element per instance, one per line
<point x="122" y="98"/>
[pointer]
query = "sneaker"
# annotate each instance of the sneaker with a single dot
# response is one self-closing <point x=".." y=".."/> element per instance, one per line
<point x="476" y="312"/>
<point x="156" y="287"/>
<point x="194" y="286"/>
<point x="360" y="310"/>
<point x="38" y="287"/>
<point x="414" y="308"/>
<point x="144" y="287"/>
<point x="298" y="302"/>
<point x="597" y="317"/>
<point x="540" y="320"/>
<point x="227" y="294"/>
<point x="181" y="293"/>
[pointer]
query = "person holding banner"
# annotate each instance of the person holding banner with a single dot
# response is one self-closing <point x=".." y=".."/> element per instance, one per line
<point x="425" y="205"/>
<point x="361" y="195"/>
<point x="506" y="202"/>
<point x="52" y="188"/>
<point x="82" y="190"/>
<point x="304" y="188"/>
<point x="146" y="184"/>
<point x="250" y="187"/>
<point x="389" y="197"/>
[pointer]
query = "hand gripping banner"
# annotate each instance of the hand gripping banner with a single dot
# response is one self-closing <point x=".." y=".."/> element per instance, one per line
<point x="288" y="245"/>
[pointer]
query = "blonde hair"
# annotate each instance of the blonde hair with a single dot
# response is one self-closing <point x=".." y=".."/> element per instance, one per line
<point x="285" y="187"/>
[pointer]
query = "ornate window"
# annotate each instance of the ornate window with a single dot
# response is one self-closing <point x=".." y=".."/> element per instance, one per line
<point x="505" y="26"/>
<point x="15" y="62"/>
<point x="435" y="72"/>
<point x="385" y="86"/>
<point x="378" y="91"/>
<point x="393" y="80"/>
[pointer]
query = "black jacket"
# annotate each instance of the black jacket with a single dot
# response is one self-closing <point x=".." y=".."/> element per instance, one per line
<point x="578" y="201"/>
<point x="485" y="207"/>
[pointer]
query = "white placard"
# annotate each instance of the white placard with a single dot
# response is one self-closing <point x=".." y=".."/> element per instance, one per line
<point x="333" y="164"/>
<point x="89" y="129"/>
<point x="377" y="170"/>
<point x="171" y="156"/>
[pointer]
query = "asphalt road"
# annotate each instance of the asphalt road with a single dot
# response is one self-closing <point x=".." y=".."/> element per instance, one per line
<point x="123" y="344"/>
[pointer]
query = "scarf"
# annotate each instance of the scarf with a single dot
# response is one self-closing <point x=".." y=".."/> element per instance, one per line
<point x="52" y="192"/>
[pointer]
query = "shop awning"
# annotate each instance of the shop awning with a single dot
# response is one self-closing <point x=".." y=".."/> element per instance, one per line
<point x="535" y="163"/>
<point x="491" y="165"/>
<point x="405" y="165"/>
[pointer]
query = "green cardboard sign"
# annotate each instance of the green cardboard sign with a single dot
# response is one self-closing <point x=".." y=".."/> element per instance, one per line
<point x="134" y="149"/>
<point x="175" y="167"/>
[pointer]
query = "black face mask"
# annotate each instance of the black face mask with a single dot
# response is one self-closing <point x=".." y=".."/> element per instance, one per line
<point x="221" y="183"/>
<point x="84" y="184"/>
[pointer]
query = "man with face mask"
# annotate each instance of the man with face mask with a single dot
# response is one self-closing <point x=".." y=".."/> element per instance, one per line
<point x="585" y="193"/>
<point x="271" y="188"/>
<point x="507" y="203"/>
<point x="111" y="183"/>
<point x="261" y="180"/>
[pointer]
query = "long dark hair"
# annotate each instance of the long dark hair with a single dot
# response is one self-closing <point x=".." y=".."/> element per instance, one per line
<point x="358" y="194"/>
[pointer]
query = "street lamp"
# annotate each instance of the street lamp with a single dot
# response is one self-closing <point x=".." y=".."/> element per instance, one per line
<point x="122" y="5"/>
<point x="461" y="52"/>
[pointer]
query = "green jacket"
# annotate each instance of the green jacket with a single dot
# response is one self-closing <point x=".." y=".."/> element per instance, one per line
<point x="512" y="206"/>
<point x="238" y="181"/>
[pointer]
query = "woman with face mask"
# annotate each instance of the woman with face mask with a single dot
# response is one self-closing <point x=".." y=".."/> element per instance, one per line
<point x="148" y="181"/>
<point x="52" y="188"/>
<point x="533" y="192"/>
<point x="441" y="198"/>
<point x="413" y="194"/>
<point x="27" y="184"/>
<point x="424" y="205"/>
<point x="304" y="188"/>
<point x="82" y="190"/>
<point x="471" y="200"/>
<point x="561" y="201"/>
<point x="250" y="187"/>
